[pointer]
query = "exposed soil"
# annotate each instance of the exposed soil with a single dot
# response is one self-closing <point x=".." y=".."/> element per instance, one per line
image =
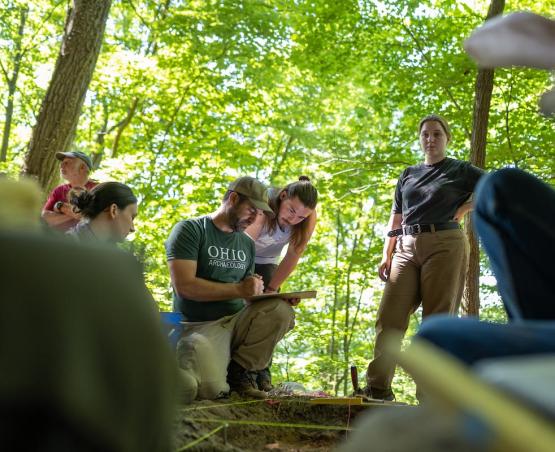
<point x="244" y="432"/>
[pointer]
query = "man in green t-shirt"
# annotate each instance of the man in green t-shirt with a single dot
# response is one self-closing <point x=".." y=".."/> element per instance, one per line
<point x="211" y="264"/>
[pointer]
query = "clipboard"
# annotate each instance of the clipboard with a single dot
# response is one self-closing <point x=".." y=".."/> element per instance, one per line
<point x="285" y="295"/>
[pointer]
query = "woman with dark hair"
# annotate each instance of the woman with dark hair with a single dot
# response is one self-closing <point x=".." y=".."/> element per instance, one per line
<point x="292" y="226"/>
<point x="108" y="211"/>
<point x="425" y="254"/>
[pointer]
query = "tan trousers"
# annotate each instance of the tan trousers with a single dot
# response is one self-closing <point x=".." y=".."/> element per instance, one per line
<point x="248" y="337"/>
<point x="427" y="269"/>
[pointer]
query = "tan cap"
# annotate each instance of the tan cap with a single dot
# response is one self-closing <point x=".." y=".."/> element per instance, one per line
<point x="253" y="189"/>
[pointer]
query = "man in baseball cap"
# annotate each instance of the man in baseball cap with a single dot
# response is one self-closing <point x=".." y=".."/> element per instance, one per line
<point x="75" y="155"/>
<point x="75" y="168"/>
<point x="226" y="339"/>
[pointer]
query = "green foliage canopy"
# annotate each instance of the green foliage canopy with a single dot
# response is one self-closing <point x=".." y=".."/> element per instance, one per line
<point x="188" y="95"/>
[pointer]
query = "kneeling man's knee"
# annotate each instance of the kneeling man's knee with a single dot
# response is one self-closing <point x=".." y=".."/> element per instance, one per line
<point x="282" y="312"/>
<point x="201" y="363"/>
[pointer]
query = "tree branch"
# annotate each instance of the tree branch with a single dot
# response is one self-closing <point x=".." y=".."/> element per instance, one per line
<point x="123" y="124"/>
<point x="507" y="126"/>
<point x="46" y="17"/>
<point x="141" y="18"/>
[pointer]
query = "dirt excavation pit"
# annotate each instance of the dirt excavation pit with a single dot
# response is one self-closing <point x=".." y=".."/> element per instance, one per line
<point x="259" y="425"/>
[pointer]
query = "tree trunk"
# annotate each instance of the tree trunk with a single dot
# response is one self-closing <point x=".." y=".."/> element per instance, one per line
<point x="335" y="307"/>
<point x="61" y="107"/>
<point x="12" y="83"/>
<point x="482" y="101"/>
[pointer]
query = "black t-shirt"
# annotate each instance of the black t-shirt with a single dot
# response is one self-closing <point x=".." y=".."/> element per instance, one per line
<point x="427" y="194"/>
<point x="226" y="257"/>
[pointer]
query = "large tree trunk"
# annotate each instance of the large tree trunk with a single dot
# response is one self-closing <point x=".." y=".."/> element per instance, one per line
<point x="482" y="101"/>
<point x="61" y="107"/>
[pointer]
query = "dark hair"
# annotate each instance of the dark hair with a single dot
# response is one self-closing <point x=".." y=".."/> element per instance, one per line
<point x="440" y="119"/>
<point x="307" y="194"/>
<point x="91" y="203"/>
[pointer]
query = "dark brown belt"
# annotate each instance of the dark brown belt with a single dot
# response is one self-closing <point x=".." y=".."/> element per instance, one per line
<point x="413" y="229"/>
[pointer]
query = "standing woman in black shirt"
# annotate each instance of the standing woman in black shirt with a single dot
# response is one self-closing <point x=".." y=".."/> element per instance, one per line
<point x="425" y="255"/>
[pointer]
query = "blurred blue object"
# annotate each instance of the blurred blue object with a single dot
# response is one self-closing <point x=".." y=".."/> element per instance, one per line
<point x="172" y="324"/>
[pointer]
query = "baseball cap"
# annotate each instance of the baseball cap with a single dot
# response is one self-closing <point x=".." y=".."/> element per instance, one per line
<point x="75" y="155"/>
<point x="254" y="190"/>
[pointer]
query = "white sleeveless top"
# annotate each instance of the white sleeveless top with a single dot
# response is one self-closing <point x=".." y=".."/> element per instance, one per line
<point x="269" y="247"/>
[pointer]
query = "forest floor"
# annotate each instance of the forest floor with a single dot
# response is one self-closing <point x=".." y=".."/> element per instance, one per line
<point x="264" y="425"/>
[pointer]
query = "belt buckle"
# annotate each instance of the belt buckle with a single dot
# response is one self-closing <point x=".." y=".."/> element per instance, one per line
<point x="417" y="229"/>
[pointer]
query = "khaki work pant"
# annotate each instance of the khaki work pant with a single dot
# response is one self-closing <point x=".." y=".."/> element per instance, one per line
<point x="248" y="337"/>
<point x="427" y="269"/>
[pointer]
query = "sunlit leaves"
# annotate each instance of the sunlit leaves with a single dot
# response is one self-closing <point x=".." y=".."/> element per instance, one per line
<point x="276" y="89"/>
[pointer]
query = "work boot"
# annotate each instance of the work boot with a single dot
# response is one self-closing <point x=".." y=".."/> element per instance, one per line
<point x="369" y="392"/>
<point x="264" y="380"/>
<point x="243" y="382"/>
<point x="382" y="394"/>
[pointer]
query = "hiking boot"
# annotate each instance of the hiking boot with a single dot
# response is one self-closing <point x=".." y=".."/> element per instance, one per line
<point x="264" y="380"/>
<point x="386" y="395"/>
<point x="243" y="382"/>
<point x="369" y="392"/>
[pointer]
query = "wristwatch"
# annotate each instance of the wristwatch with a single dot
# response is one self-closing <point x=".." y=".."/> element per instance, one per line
<point x="58" y="206"/>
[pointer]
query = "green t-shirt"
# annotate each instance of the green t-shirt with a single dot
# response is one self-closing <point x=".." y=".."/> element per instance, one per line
<point x="226" y="257"/>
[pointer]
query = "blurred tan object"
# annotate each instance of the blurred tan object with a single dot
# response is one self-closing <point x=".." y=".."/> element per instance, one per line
<point x="518" y="39"/>
<point x="449" y="385"/>
<point x="402" y="429"/>
<point x="20" y="204"/>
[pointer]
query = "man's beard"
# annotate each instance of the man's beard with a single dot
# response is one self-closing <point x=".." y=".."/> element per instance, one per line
<point x="235" y="223"/>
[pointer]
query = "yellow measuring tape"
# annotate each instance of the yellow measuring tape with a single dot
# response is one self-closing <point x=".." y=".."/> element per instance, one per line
<point x="202" y="438"/>
<point x="319" y="401"/>
<point x="220" y="405"/>
<point x="271" y="424"/>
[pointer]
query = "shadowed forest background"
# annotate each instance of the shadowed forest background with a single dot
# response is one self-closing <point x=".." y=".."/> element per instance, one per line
<point x="187" y="95"/>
